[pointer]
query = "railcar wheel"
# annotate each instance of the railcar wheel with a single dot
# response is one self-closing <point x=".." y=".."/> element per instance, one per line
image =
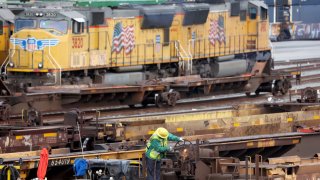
<point x="248" y="94"/>
<point x="159" y="104"/>
<point x="157" y="101"/>
<point x="172" y="100"/>
<point x="286" y="85"/>
<point x="283" y="91"/>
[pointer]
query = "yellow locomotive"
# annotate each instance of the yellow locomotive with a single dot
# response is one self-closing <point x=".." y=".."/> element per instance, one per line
<point x="127" y="45"/>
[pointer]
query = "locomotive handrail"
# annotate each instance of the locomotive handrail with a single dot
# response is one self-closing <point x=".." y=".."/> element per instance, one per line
<point x="6" y="62"/>
<point x="53" y="62"/>
<point x="141" y="52"/>
<point x="183" y="55"/>
<point x="233" y="44"/>
<point x="57" y="64"/>
<point x="272" y="49"/>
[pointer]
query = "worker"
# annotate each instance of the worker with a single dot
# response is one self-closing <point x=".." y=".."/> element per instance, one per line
<point x="156" y="150"/>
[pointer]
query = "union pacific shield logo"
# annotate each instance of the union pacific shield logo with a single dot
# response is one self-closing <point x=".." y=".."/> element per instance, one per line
<point x="33" y="44"/>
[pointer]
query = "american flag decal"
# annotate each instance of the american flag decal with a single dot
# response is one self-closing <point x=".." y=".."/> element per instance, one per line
<point x="216" y="31"/>
<point x="123" y="37"/>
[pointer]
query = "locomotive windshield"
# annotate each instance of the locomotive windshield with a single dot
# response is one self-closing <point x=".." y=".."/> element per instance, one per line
<point x="58" y="25"/>
<point x="24" y="23"/>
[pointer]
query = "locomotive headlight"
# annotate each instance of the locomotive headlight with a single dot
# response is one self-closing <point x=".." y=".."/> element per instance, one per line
<point x="37" y="14"/>
<point x="40" y="65"/>
<point x="11" y="64"/>
<point x="40" y="14"/>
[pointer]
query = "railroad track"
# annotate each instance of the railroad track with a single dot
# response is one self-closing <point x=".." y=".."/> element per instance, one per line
<point x="310" y="79"/>
<point x="298" y="65"/>
<point x="297" y="61"/>
<point x="199" y="105"/>
<point x="195" y="105"/>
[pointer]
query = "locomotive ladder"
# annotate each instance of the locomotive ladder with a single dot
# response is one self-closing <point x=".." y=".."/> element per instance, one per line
<point x="183" y="56"/>
<point x="57" y="66"/>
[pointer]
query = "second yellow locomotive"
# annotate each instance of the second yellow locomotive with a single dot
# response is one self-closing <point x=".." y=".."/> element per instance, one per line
<point x="131" y="44"/>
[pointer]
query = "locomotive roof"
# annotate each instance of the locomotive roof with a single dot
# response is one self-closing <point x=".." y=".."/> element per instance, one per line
<point x="115" y="3"/>
<point x="84" y="14"/>
<point x="259" y="4"/>
<point x="7" y="15"/>
<point x="52" y="13"/>
<point x="74" y="15"/>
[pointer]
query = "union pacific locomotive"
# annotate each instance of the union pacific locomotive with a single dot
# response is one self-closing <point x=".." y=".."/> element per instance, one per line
<point x="133" y="43"/>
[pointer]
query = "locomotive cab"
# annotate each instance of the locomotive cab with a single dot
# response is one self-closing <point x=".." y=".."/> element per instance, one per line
<point x="39" y="48"/>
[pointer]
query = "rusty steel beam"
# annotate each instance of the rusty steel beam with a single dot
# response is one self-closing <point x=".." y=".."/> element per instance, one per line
<point x="263" y="141"/>
<point x="226" y="143"/>
<point x="236" y="122"/>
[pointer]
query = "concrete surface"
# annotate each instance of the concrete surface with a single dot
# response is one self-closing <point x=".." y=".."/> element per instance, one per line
<point x="289" y="50"/>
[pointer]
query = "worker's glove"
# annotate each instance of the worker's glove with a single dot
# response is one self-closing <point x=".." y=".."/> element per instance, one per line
<point x="181" y="139"/>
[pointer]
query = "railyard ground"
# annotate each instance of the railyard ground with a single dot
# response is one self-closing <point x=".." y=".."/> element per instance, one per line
<point x="288" y="50"/>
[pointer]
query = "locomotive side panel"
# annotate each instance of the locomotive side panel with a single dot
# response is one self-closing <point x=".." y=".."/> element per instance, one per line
<point x="136" y="40"/>
<point x="98" y="37"/>
<point x="79" y="41"/>
<point x="154" y="41"/>
<point x="5" y="32"/>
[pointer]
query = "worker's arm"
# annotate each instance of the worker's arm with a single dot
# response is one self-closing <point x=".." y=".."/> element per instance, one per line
<point x="172" y="137"/>
<point x="157" y="146"/>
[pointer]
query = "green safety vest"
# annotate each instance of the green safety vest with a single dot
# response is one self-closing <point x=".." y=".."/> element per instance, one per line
<point x="153" y="154"/>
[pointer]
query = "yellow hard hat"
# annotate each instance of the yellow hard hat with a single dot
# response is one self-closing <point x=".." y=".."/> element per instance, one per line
<point x="162" y="132"/>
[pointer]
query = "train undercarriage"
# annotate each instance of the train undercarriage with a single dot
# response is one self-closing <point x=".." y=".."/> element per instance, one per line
<point x="157" y="84"/>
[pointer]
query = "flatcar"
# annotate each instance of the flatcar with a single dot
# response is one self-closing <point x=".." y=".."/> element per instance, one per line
<point x="132" y="44"/>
